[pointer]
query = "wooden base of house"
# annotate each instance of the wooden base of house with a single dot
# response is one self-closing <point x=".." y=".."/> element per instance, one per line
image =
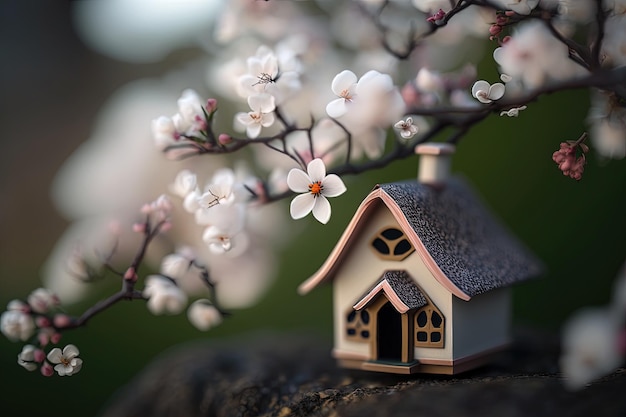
<point x="424" y="366"/>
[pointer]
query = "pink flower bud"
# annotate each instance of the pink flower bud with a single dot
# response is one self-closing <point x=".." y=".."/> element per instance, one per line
<point x="56" y="338"/>
<point x="47" y="369"/>
<point x="43" y="338"/>
<point x="139" y="227"/>
<point x="501" y="19"/>
<point x="130" y="274"/>
<point x="62" y="320"/>
<point x="39" y="355"/>
<point x="166" y="226"/>
<point x="495" y="30"/>
<point x="42" y="322"/>
<point x="224" y="139"/>
<point x="505" y="39"/>
<point x="211" y="105"/>
<point x="509" y="13"/>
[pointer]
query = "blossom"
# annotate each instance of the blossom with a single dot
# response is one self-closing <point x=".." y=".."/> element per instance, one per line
<point x="590" y="348"/>
<point x="513" y="112"/>
<point x="486" y="93"/>
<point x="203" y="315"/>
<point x="271" y="73"/>
<point x="41" y="299"/>
<point x="344" y="86"/>
<point x="518" y="6"/>
<point x="222" y="239"/>
<point x="66" y="362"/>
<point x="262" y="106"/>
<point x="223" y="189"/>
<point x="176" y="265"/>
<point x="164" y="296"/>
<point x="17" y="325"/>
<point x="315" y="187"/>
<point x="184" y="183"/>
<point x="534" y="56"/>
<point x="26" y="357"/>
<point x="407" y="128"/>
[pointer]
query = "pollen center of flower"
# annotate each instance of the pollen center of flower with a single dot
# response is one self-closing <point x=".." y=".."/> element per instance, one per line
<point x="316" y="188"/>
<point x="345" y="94"/>
<point x="255" y="116"/>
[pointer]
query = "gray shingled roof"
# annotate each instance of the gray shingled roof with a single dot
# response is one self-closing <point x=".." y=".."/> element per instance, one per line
<point x="405" y="287"/>
<point x="471" y="248"/>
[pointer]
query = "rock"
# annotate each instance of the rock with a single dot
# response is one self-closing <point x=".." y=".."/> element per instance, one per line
<point x="292" y="375"/>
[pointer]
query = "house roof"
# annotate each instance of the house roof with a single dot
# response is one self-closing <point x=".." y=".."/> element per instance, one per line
<point x="462" y="244"/>
<point x="400" y="290"/>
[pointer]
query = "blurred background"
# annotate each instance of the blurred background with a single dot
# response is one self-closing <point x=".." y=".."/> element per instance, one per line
<point x="52" y="88"/>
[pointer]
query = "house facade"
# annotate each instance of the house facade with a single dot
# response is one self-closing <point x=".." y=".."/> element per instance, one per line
<point x="421" y="278"/>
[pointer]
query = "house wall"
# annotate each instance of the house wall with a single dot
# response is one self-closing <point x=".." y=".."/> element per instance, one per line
<point x="481" y="323"/>
<point x="361" y="268"/>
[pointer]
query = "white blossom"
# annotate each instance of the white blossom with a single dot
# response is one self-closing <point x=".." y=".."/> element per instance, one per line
<point x="203" y="315"/>
<point x="486" y="93"/>
<point x="176" y="265"/>
<point x="164" y="296"/>
<point x="26" y="357"/>
<point x="67" y="362"/>
<point x="590" y="348"/>
<point x="262" y="106"/>
<point x="513" y="112"/>
<point x="535" y="57"/>
<point x="223" y="189"/>
<point x="17" y="325"/>
<point x="344" y="87"/>
<point x="406" y="127"/>
<point x="42" y="299"/>
<point x="184" y="183"/>
<point x="315" y="187"/>
<point x="523" y="7"/>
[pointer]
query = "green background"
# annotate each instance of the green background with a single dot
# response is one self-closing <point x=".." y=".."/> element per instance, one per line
<point x="54" y="88"/>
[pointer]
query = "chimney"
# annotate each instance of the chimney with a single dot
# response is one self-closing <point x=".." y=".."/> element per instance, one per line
<point x="434" y="164"/>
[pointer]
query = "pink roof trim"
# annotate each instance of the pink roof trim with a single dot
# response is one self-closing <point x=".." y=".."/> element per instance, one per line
<point x="392" y="296"/>
<point x="329" y="268"/>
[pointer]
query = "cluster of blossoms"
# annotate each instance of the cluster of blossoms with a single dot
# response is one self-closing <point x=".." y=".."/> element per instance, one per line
<point x="39" y="318"/>
<point x="567" y="159"/>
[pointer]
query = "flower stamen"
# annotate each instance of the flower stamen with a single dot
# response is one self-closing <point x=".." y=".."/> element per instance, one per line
<point x="316" y="188"/>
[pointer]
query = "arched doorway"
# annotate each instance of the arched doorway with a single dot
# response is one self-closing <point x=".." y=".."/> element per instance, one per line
<point x="389" y="333"/>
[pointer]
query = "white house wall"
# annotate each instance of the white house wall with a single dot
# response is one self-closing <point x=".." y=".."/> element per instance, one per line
<point x="361" y="268"/>
<point x="481" y="323"/>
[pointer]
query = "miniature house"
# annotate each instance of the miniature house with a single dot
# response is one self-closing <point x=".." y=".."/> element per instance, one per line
<point x="421" y="276"/>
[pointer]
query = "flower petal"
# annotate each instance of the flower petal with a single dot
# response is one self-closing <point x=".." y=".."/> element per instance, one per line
<point x="333" y="186"/>
<point x="70" y="351"/>
<point x="55" y="355"/>
<point x="262" y="103"/>
<point x="298" y="181"/>
<point x="316" y="170"/>
<point x="321" y="209"/>
<point x="343" y="81"/>
<point x="253" y="130"/>
<point x="337" y="108"/>
<point x="267" y="120"/>
<point x="301" y="205"/>
<point x="496" y="91"/>
<point x="478" y="86"/>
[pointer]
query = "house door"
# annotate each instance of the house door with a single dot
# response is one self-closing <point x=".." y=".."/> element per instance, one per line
<point x="389" y="333"/>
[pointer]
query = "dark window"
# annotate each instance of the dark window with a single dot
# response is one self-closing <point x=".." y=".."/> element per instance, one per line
<point x="365" y="317"/>
<point x="429" y="325"/>
<point x="391" y="244"/>
<point x="380" y="246"/>
<point x="402" y="247"/>
<point x="436" y="319"/>
<point x="357" y="325"/>
<point x="422" y="319"/>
